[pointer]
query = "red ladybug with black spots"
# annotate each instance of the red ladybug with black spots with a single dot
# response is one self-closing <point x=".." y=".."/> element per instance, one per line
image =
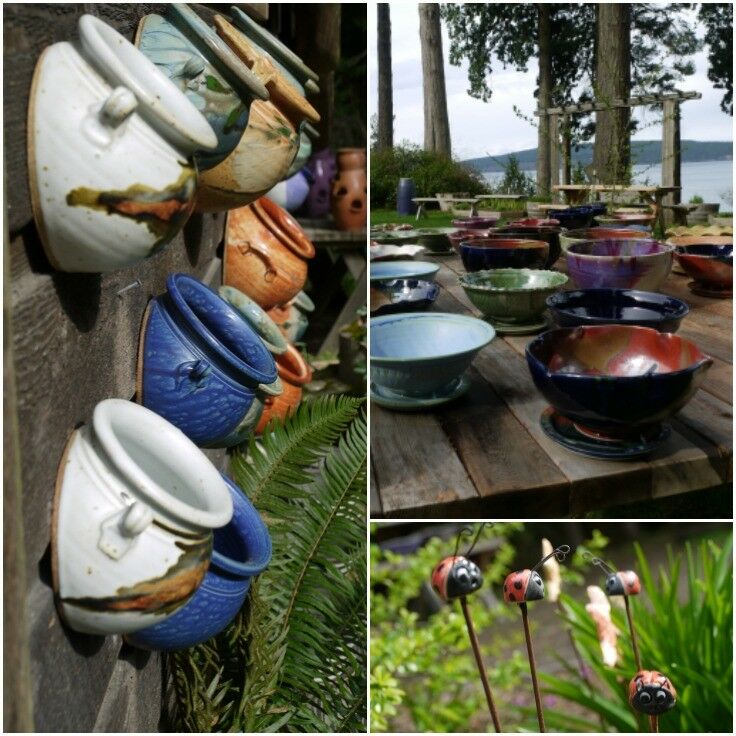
<point x="456" y="577"/>
<point x="625" y="582"/>
<point x="652" y="693"/>
<point x="525" y="585"/>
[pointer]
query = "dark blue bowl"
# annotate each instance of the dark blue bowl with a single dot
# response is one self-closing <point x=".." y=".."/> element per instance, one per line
<point x="201" y="366"/>
<point x="241" y="550"/>
<point x="598" y="208"/>
<point x="615" y="380"/>
<point x="481" y="253"/>
<point x="574" y="218"/>
<point x="617" y="307"/>
<point x="406" y="295"/>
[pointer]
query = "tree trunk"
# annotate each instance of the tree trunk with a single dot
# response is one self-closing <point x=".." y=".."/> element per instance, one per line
<point x="611" y="154"/>
<point x="544" y="99"/>
<point x="318" y="44"/>
<point x="436" y="122"/>
<point x="385" y="89"/>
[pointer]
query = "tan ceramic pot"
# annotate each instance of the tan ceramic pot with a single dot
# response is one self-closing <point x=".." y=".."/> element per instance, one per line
<point x="270" y="142"/>
<point x="294" y="372"/>
<point x="265" y="254"/>
<point x="349" y="190"/>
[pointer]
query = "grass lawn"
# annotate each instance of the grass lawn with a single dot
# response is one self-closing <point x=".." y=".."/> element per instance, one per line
<point x="433" y="218"/>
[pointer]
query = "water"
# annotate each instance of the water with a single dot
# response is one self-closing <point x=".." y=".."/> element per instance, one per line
<point x="712" y="180"/>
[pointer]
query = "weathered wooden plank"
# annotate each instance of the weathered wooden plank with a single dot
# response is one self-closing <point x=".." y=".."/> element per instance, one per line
<point x="376" y="508"/>
<point x="712" y="418"/>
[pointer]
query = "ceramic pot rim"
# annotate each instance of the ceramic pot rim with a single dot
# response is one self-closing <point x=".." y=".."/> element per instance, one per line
<point x="425" y="268"/>
<point x="303" y="302"/>
<point x="560" y="279"/>
<point x="558" y="302"/>
<point x="179" y="448"/>
<point x="246" y="80"/>
<point x="158" y="97"/>
<point x="664" y="249"/>
<point x="493" y="244"/>
<point x="459" y="319"/>
<point x="276" y="345"/>
<point x="703" y="362"/>
<point x="682" y="250"/>
<point x="259" y="552"/>
<point x="202" y="331"/>
<point x="297" y="371"/>
<point x="276" y="219"/>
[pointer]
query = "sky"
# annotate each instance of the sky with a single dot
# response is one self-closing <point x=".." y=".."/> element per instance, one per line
<point x="478" y="128"/>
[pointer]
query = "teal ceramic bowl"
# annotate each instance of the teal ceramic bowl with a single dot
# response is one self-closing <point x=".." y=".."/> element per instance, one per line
<point x="389" y="270"/>
<point x="424" y="354"/>
<point x="515" y="296"/>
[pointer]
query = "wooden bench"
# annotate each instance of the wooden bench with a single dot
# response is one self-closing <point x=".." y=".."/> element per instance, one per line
<point x="420" y="202"/>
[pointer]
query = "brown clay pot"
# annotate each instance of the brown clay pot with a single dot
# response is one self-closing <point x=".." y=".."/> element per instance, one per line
<point x="294" y="372"/>
<point x="265" y="254"/>
<point x="349" y="190"/>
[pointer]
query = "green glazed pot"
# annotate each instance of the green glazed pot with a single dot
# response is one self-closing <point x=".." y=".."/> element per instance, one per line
<point x="434" y="238"/>
<point x="513" y="296"/>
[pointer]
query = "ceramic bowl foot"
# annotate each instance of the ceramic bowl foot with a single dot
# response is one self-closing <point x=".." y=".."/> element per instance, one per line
<point x="706" y="290"/>
<point x="392" y="400"/>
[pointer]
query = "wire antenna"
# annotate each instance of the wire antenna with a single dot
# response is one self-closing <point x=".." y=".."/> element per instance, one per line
<point x="560" y="553"/>
<point x="598" y="562"/>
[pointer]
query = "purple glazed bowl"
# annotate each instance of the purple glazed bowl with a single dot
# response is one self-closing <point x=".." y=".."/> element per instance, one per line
<point x="619" y="264"/>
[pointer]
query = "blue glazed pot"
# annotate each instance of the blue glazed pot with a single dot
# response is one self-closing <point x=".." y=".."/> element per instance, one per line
<point x="616" y="380"/>
<point x="241" y="550"/>
<point x="404" y="194"/>
<point x="574" y="218"/>
<point x="212" y="77"/>
<point x="202" y="366"/>
<point x="480" y="254"/>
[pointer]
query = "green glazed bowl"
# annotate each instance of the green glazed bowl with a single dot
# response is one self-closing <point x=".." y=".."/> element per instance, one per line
<point x="514" y="296"/>
<point x="393" y="237"/>
<point x="434" y="238"/>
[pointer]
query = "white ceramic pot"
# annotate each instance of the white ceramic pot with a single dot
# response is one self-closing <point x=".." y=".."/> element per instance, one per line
<point x="134" y="509"/>
<point x="110" y="143"/>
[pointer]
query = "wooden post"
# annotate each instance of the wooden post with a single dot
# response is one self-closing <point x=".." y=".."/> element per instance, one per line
<point x="554" y="150"/>
<point x="566" y="150"/>
<point x="385" y="82"/>
<point x="671" y="149"/>
<point x="544" y="99"/>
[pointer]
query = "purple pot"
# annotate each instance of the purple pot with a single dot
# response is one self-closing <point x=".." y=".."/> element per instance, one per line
<point x="323" y="168"/>
<point x="619" y="264"/>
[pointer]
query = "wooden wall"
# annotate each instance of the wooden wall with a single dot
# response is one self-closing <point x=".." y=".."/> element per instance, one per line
<point x="70" y="341"/>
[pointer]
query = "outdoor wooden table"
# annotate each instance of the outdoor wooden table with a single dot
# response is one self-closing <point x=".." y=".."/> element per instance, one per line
<point x="473" y="203"/>
<point x="486" y="456"/>
<point x="421" y="201"/>
<point x="652" y="195"/>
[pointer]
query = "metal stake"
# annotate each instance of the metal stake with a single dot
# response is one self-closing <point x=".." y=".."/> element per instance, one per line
<point x="633" y="634"/>
<point x="532" y="666"/>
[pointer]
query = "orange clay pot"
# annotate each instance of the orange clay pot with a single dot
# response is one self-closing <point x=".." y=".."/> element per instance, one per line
<point x="294" y="372"/>
<point x="265" y="254"/>
<point x="349" y="190"/>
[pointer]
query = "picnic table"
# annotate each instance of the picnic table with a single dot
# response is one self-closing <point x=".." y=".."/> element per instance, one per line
<point x="420" y="202"/>
<point x="652" y="195"/>
<point x="486" y="456"/>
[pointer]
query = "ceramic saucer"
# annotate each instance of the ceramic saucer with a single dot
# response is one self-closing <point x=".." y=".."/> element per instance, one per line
<point x="703" y="290"/>
<point x="391" y="400"/>
<point x="507" y="328"/>
<point x="564" y="431"/>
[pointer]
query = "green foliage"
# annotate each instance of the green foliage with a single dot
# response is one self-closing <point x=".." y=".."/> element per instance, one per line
<point x="718" y="21"/>
<point x="696" y="199"/>
<point x="684" y="631"/>
<point x="515" y="181"/>
<point x="294" y="658"/>
<point x="431" y="172"/>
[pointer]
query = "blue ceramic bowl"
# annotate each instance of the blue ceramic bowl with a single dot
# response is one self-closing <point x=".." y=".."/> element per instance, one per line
<point x="615" y="380"/>
<point x="390" y="270"/>
<point x="481" y="254"/>
<point x="241" y="550"/>
<point x="617" y="307"/>
<point x="424" y="354"/>
<point x="201" y="366"/>
<point x="405" y="295"/>
<point x="574" y="218"/>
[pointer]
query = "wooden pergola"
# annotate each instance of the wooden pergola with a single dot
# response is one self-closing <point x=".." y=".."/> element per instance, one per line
<point x="559" y="124"/>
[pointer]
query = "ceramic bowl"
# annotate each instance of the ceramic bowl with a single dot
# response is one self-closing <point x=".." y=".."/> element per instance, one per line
<point x="294" y="373"/>
<point x="617" y="307"/>
<point x="379" y="252"/>
<point x="478" y="255"/>
<point x="202" y="366"/>
<point x="202" y="66"/>
<point x="601" y="233"/>
<point x="549" y="235"/>
<point x="393" y="237"/>
<point x="511" y="295"/>
<point x="475" y="223"/>
<point x="134" y="509"/>
<point x="402" y="295"/>
<point x="633" y="218"/>
<point x="389" y="270"/>
<point x="619" y="264"/>
<point x="711" y="266"/>
<point x="290" y="194"/>
<point x="615" y="380"/>
<point x="424" y="353"/>
<point x="574" y="218"/>
<point x="257" y="318"/>
<point x="435" y="239"/>
<point x="110" y="143"/>
<point x="460" y="236"/>
<point x="241" y="550"/>
<point x="535" y="222"/>
<point x="291" y="318"/>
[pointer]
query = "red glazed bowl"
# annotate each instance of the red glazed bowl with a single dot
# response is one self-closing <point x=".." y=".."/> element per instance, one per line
<point x="460" y="236"/>
<point x="710" y="265"/>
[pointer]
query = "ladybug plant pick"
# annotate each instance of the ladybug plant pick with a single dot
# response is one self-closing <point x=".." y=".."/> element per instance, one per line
<point x="457" y="577"/>
<point x="520" y="587"/>
<point x="652" y="693"/>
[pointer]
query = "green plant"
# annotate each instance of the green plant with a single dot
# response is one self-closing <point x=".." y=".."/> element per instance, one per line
<point x="295" y="657"/>
<point x="696" y="199"/>
<point x="431" y="172"/>
<point x="684" y="631"/>
<point x="515" y="181"/>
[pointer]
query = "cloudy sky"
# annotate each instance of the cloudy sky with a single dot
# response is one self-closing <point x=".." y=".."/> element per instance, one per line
<point x="479" y="128"/>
